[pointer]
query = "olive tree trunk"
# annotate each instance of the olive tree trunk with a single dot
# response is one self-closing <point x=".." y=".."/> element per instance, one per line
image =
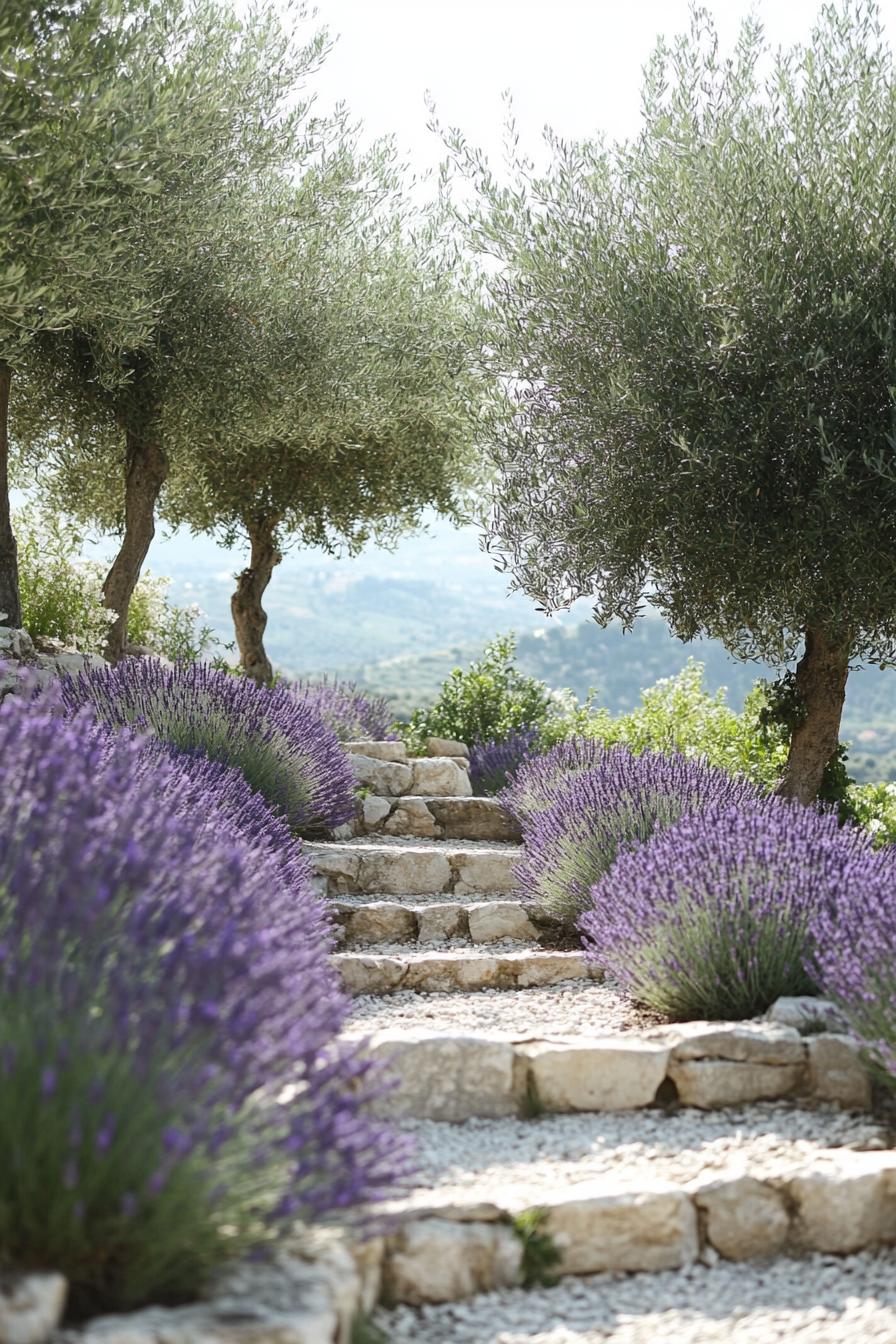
<point x="10" y="604"/>
<point x="146" y="470"/>
<point x="821" y="683"/>
<point x="249" y="616"/>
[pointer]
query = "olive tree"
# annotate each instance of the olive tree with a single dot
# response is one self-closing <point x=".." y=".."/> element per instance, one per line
<point x="363" y="361"/>
<point x="698" y="333"/>
<point x="65" y="251"/>
<point x="233" y="117"/>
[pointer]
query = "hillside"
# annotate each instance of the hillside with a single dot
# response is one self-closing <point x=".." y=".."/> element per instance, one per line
<point x="617" y="665"/>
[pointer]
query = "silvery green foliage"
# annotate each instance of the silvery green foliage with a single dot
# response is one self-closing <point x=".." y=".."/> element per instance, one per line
<point x="697" y="331"/>
<point x="282" y="746"/>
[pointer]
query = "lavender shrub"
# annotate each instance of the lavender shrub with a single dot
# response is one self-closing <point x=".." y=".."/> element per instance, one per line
<point x="589" y="817"/>
<point x="174" y="1091"/>
<point x="712" y="917"/>
<point x="533" y="783"/>
<point x="281" y="744"/>
<point x="354" y="715"/>
<point x="492" y="764"/>
<point x="852" y="957"/>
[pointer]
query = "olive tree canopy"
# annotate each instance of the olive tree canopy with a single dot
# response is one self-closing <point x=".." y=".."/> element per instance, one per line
<point x="363" y="359"/>
<point x="699" y="330"/>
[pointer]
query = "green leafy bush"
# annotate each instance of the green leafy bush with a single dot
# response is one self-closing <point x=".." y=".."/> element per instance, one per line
<point x="62" y="595"/>
<point x="488" y="702"/>
<point x="873" y="806"/>
<point x="678" y="714"/>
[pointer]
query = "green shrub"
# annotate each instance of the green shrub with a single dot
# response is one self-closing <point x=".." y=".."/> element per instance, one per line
<point x="488" y="702"/>
<point x="678" y="714"/>
<point x="62" y="595"/>
<point x="873" y="806"/>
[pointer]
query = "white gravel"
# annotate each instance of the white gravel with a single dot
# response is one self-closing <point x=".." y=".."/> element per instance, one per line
<point x="573" y="1008"/>
<point x="515" y="1163"/>
<point x="358" y="899"/>
<point x="455" y="948"/>
<point x="818" y="1299"/>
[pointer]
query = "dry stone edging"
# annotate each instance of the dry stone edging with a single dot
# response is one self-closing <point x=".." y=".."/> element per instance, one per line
<point x="444" y="972"/>
<point x="435" y="818"/>
<point x="843" y="1203"/>
<point x="434" y="922"/>
<point x="455" y="1076"/>
<point x="430" y="776"/>
<point x="397" y="868"/>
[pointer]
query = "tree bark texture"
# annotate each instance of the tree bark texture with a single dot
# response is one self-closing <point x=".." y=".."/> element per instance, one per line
<point x="249" y="616"/>
<point x="146" y="470"/>
<point x="821" y="682"/>
<point x="10" y="604"/>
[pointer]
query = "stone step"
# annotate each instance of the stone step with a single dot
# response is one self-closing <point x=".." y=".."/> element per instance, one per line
<point x="446" y="972"/>
<point x="395" y="866"/>
<point x="436" y="818"/>
<point x="430" y="776"/>
<point x="812" y="1298"/>
<point x="454" y="1076"/>
<point x="365" y="922"/>
<point x="642" y="1191"/>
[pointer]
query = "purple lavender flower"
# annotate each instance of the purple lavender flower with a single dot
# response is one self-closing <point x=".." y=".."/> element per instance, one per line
<point x="852" y="956"/>
<point x="164" y="959"/>
<point x="493" y="763"/>
<point x="280" y="743"/>
<point x="353" y="714"/>
<point x="587" y="818"/>
<point x="533" y="783"/>
<point x="713" y="916"/>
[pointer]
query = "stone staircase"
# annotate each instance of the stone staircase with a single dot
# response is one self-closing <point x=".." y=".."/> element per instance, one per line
<point x="556" y="1125"/>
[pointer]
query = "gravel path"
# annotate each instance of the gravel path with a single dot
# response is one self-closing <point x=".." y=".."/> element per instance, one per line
<point x="816" y="1300"/>
<point x="575" y="1007"/>
<point x="517" y="1162"/>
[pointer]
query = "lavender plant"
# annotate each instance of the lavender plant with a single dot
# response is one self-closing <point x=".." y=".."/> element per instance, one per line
<point x="281" y="744"/>
<point x="714" y="916"/>
<point x="173" y="1092"/>
<point x="586" y="819"/>
<point x="533" y="782"/>
<point x="492" y="764"/>
<point x="852" y="957"/>
<point x="353" y="714"/>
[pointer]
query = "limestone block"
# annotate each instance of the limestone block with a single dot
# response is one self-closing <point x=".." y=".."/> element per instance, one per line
<point x="379" y="922"/>
<point x="31" y="1306"/>
<point x="339" y="865"/>
<point x="616" y="1074"/>
<point x="805" y="1011"/>
<point x="446" y="1077"/>
<point x="437" y="776"/>
<point x="753" y="1042"/>
<point x="446" y="746"/>
<point x="374" y="810"/>
<point x="484" y="871"/>
<point x="437" y="1260"/>
<point x="836" y="1071"/>
<point x="379" y="751"/>
<point x="707" y="1083"/>
<point x="411" y="816"/>
<point x="491" y="921"/>
<point x="845" y="1203"/>
<point x="551" y="968"/>
<point x="388" y="779"/>
<point x="473" y="819"/>
<point x="744" y="1217"/>
<point x="439" y="922"/>
<point x="404" y="870"/>
<point x="651" y="1228"/>
<point x="441" y="975"/>
<point x="369" y="975"/>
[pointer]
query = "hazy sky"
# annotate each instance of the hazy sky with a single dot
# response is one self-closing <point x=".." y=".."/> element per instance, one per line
<point x="574" y="64"/>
